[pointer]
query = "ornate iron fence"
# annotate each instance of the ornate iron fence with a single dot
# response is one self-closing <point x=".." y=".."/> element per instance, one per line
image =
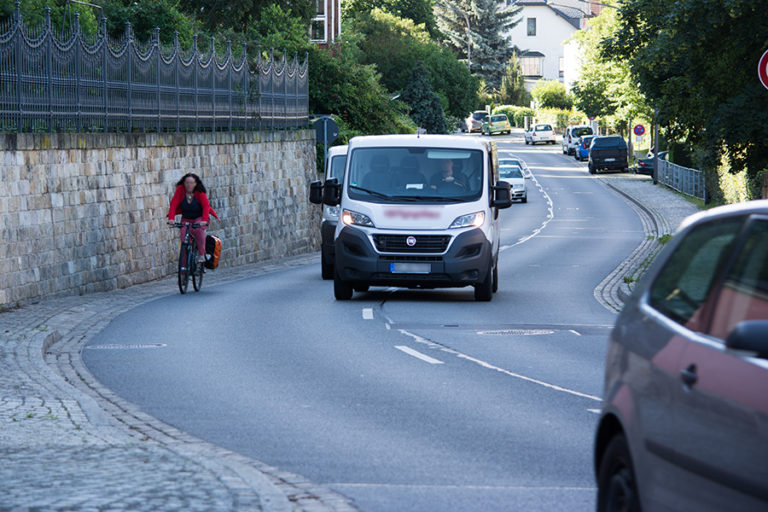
<point x="53" y="81"/>
<point x="686" y="181"/>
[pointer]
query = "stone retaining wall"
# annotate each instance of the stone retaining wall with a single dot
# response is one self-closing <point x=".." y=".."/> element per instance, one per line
<point x="86" y="212"/>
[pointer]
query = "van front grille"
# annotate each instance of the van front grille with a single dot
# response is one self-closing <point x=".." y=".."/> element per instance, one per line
<point x="419" y="243"/>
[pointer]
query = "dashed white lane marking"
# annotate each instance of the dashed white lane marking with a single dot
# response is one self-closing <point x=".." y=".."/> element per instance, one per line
<point x="489" y="366"/>
<point x="595" y="411"/>
<point x="418" y="355"/>
<point x="577" y="333"/>
<point x="550" y="216"/>
<point x="367" y="313"/>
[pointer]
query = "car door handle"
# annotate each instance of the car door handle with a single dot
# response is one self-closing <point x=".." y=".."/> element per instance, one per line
<point x="689" y="376"/>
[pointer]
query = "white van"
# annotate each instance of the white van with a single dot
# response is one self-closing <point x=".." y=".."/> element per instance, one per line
<point x="337" y="159"/>
<point x="417" y="212"/>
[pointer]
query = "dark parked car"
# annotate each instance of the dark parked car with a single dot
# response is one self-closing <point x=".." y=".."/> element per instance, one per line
<point x="684" y="424"/>
<point x="608" y="152"/>
<point x="645" y="165"/>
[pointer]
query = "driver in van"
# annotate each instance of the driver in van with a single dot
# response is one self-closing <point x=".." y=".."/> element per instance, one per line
<point x="446" y="176"/>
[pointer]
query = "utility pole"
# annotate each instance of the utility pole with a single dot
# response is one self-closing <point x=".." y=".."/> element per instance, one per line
<point x="656" y="146"/>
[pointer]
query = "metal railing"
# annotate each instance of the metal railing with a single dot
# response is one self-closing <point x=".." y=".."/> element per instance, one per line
<point x="686" y="181"/>
<point x="53" y="81"/>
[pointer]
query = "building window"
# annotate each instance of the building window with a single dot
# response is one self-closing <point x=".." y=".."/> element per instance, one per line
<point x="531" y="65"/>
<point x="562" y="67"/>
<point x="531" y="26"/>
<point x="318" y="28"/>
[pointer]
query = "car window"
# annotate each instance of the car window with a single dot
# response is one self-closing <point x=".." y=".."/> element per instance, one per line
<point x="744" y="295"/>
<point x="510" y="171"/>
<point x="543" y="128"/>
<point x="583" y="130"/>
<point x="499" y="118"/>
<point x="479" y="116"/>
<point x="684" y="284"/>
<point x="609" y="142"/>
<point x="337" y="167"/>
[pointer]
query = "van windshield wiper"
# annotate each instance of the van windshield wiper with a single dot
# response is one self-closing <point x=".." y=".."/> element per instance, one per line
<point x="371" y="192"/>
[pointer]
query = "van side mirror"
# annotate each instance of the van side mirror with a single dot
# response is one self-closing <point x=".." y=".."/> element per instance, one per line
<point x="316" y="192"/>
<point x="752" y="336"/>
<point x="502" y="195"/>
<point x="332" y="192"/>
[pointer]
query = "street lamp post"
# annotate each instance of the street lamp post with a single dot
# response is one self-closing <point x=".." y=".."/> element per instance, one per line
<point x="469" y="33"/>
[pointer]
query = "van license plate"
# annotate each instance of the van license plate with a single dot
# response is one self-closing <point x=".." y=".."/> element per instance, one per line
<point x="410" y="268"/>
<point x="610" y="159"/>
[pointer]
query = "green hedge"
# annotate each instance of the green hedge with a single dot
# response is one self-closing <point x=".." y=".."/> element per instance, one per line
<point x="515" y="114"/>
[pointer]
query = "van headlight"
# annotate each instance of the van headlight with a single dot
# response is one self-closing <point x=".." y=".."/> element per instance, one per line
<point x="358" y="219"/>
<point x="331" y="213"/>
<point x="471" y="220"/>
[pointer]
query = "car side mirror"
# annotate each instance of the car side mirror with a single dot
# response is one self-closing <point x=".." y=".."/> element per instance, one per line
<point x="502" y="195"/>
<point x="316" y="192"/>
<point x="751" y="336"/>
<point x="332" y="192"/>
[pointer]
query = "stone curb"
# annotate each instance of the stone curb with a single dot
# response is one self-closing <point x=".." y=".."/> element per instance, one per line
<point x="56" y="355"/>
<point x="613" y="292"/>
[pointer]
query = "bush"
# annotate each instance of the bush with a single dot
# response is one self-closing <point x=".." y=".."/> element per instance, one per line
<point x="552" y="94"/>
<point x="515" y="114"/>
<point x="559" y="118"/>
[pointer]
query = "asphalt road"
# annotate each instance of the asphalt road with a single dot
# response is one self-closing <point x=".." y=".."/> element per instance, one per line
<point x="404" y="400"/>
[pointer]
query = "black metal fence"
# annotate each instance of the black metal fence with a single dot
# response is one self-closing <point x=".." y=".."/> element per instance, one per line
<point x="67" y="82"/>
<point x="686" y="181"/>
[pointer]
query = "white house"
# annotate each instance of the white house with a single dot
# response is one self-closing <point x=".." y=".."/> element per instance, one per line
<point x="544" y="27"/>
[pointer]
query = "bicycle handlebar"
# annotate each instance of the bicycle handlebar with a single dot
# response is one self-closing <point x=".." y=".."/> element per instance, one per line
<point x="187" y="224"/>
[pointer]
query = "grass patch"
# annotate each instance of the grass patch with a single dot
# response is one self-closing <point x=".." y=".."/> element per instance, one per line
<point x="666" y="237"/>
<point x="629" y="279"/>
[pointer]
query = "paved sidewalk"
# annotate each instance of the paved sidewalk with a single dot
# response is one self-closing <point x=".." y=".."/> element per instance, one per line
<point x="661" y="211"/>
<point x="68" y="443"/>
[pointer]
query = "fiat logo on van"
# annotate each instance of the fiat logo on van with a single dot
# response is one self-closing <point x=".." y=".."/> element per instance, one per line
<point x="410" y="241"/>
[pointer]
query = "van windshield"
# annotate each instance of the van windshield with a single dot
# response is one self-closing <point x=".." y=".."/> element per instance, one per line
<point x="582" y="130"/>
<point x="337" y="167"/>
<point x="402" y="174"/>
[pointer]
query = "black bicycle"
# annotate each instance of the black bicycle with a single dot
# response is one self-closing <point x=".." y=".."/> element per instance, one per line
<point x="188" y="266"/>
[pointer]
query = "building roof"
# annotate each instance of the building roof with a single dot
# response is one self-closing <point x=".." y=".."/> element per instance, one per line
<point x="570" y="14"/>
<point x="531" y="53"/>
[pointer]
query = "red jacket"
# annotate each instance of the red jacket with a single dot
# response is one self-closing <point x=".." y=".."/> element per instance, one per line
<point x="178" y="197"/>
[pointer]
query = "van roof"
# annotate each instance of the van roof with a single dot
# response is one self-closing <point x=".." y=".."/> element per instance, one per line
<point x="432" y="141"/>
<point x="337" y="150"/>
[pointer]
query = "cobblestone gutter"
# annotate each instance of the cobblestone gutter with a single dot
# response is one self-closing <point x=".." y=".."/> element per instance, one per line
<point x="661" y="212"/>
<point x="68" y="443"/>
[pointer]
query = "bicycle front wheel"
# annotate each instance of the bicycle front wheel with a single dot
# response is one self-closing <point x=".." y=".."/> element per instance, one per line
<point x="197" y="277"/>
<point x="184" y="269"/>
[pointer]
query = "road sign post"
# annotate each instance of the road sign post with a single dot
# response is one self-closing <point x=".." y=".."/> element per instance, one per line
<point x="326" y="132"/>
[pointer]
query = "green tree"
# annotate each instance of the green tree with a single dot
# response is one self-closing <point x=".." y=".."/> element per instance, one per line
<point x="695" y="61"/>
<point x="490" y="24"/>
<point x="552" y="94"/>
<point x="513" y="91"/>
<point x="396" y="45"/>
<point x="62" y="14"/>
<point x="418" y="11"/>
<point x="219" y="15"/>
<point x="145" y="16"/>
<point x="426" y="110"/>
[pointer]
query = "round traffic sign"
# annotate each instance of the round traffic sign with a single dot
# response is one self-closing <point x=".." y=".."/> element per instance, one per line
<point x="639" y="130"/>
<point x="591" y="118"/>
<point x="762" y="69"/>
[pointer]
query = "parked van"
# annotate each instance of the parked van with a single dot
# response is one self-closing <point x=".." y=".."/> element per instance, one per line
<point x="337" y="159"/>
<point x="417" y="212"/>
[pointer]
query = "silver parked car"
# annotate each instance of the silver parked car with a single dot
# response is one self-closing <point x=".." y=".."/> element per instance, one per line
<point x="684" y="424"/>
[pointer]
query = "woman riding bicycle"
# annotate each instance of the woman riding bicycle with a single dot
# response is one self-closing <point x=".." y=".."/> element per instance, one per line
<point x="190" y="200"/>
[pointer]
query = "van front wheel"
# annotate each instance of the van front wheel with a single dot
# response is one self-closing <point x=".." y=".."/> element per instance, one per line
<point x="484" y="290"/>
<point x="342" y="290"/>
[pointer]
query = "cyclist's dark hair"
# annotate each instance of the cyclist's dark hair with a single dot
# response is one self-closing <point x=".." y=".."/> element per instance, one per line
<point x="198" y="188"/>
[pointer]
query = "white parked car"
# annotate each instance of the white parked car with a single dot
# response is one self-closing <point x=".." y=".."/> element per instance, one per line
<point x="571" y="137"/>
<point x="540" y="133"/>
<point x="513" y="175"/>
<point x="417" y="212"/>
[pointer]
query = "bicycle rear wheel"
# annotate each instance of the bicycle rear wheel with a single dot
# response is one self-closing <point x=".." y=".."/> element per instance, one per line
<point x="197" y="276"/>
<point x="184" y="269"/>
